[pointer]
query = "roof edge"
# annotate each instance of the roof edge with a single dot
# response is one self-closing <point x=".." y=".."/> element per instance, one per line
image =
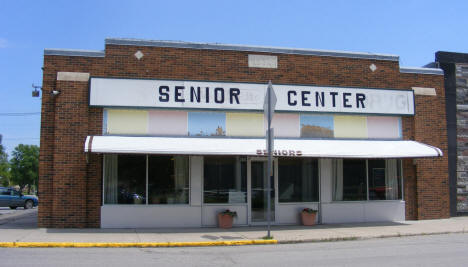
<point x="249" y="48"/>
<point x="73" y="52"/>
<point x="451" y="57"/>
<point x="418" y="70"/>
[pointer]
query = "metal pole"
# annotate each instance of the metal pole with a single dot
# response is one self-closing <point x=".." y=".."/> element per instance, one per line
<point x="269" y="163"/>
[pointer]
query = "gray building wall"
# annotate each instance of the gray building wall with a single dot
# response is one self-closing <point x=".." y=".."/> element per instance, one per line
<point x="462" y="136"/>
<point x="455" y="67"/>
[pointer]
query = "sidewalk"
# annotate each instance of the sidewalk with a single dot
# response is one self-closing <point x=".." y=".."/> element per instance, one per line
<point x="234" y="236"/>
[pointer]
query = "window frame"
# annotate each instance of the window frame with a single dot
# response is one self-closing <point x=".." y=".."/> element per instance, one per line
<point x="5" y="192"/>
<point x="203" y="203"/>
<point x="399" y="163"/>
<point x="318" y="185"/>
<point x="146" y="185"/>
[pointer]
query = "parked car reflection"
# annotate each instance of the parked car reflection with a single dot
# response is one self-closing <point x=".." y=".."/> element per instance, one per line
<point x="126" y="197"/>
<point x="9" y="197"/>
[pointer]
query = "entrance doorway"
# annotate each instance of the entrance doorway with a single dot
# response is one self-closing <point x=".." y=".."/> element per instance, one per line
<point x="258" y="193"/>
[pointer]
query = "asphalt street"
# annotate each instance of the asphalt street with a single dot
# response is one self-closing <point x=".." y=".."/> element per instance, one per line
<point x="432" y="250"/>
<point x="7" y="210"/>
<point x="18" y="219"/>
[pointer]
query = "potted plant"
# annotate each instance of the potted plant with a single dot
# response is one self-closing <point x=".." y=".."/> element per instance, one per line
<point x="225" y="218"/>
<point x="308" y="216"/>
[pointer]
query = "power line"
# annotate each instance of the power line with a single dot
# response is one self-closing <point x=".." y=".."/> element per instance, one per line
<point x="20" y="138"/>
<point x="11" y="114"/>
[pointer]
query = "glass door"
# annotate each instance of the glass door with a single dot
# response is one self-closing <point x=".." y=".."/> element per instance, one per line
<point x="259" y="192"/>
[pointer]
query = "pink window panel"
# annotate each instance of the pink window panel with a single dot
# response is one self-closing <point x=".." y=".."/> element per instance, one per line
<point x="286" y="125"/>
<point x="167" y="122"/>
<point x="384" y="127"/>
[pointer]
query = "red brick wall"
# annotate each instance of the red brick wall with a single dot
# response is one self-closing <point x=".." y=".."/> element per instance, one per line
<point x="426" y="187"/>
<point x="66" y="182"/>
<point x="71" y="189"/>
<point x="46" y="158"/>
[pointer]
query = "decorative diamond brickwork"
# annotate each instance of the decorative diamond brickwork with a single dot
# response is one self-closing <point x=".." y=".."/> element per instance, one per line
<point x="139" y="55"/>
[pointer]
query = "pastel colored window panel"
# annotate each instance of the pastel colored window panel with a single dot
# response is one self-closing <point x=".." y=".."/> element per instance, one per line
<point x="167" y="122"/>
<point x="350" y="127"/>
<point x="384" y="127"/>
<point x="127" y="121"/>
<point x="317" y="126"/>
<point x="206" y="123"/>
<point x="285" y="124"/>
<point x="245" y="124"/>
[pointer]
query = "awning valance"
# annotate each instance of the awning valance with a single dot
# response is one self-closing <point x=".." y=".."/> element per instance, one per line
<point x="256" y="147"/>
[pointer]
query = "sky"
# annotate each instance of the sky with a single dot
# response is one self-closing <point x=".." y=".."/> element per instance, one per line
<point x="413" y="30"/>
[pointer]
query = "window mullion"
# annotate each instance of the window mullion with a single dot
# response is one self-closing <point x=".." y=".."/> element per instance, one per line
<point x="146" y="180"/>
<point x="104" y="179"/>
<point x="367" y="179"/>
<point x="400" y="164"/>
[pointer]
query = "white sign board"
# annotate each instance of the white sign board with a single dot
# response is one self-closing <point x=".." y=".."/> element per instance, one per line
<point x="109" y="92"/>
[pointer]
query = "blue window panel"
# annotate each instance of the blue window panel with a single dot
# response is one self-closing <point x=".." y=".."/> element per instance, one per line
<point x="207" y="123"/>
<point x="317" y="126"/>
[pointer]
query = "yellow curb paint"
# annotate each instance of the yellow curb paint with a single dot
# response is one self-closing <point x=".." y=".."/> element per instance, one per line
<point x="127" y="245"/>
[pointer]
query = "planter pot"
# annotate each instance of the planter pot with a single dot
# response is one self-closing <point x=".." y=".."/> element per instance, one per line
<point x="308" y="219"/>
<point x="225" y="220"/>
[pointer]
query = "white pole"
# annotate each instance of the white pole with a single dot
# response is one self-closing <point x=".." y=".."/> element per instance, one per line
<point x="269" y="108"/>
<point x="269" y="172"/>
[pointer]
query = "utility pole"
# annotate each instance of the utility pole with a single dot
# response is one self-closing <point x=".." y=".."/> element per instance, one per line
<point x="269" y="108"/>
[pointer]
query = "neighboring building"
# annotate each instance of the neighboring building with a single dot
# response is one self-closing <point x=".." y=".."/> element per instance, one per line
<point x="167" y="134"/>
<point x="455" y="66"/>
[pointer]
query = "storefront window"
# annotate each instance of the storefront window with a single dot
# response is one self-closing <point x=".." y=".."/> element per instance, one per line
<point x="168" y="180"/>
<point x="351" y="176"/>
<point x="384" y="180"/>
<point x="354" y="180"/>
<point x="125" y="179"/>
<point x="225" y="180"/>
<point x="297" y="180"/>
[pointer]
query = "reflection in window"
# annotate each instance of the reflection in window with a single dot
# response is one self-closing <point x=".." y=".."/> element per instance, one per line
<point x="225" y="180"/>
<point x="207" y="123"/>
<point x="350" y="181"/>
<point x="298" y="180"/>
<point x="317" y="126"/>
<point x="168" y="180"/>
<point x="350" y="178"/>
<point x="384" y="180"/>
<point x="125" y="179"/>
<point x="376" y="172"/>
<point x="4" y="192"/>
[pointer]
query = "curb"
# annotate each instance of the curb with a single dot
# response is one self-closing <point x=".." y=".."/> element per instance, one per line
<point x="134" y="245"/>
<point x="353" y="238"/>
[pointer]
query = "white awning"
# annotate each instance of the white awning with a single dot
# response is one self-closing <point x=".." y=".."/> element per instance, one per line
<point x="256" y="147"/>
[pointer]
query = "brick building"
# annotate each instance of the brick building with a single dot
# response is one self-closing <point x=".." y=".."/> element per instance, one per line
<point x="167" y="134"/>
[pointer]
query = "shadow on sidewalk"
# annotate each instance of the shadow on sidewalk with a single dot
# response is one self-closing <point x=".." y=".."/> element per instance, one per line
<point x="217" y="230"/>
<point x="27" y="219"/>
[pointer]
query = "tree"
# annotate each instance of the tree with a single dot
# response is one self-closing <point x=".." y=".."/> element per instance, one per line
<point x="4" y="168"/>
<point x="24" y="166"/>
